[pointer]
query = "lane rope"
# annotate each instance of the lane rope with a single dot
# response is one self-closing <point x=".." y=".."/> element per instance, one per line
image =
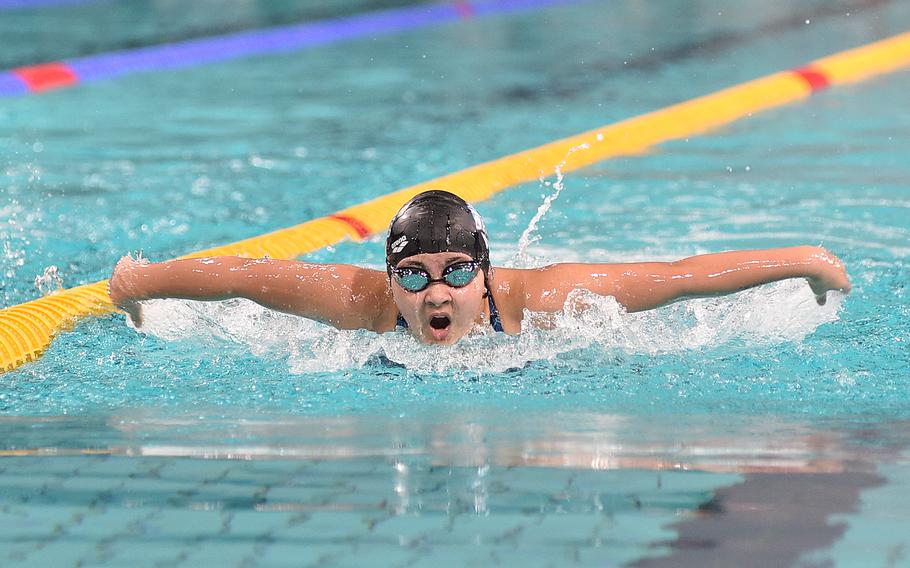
<point x="30" y="4"/>
<point x="26" y="330"/>
<point x="58" y="74"/>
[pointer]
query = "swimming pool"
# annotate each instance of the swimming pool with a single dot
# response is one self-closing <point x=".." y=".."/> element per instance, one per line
<point x="756" y="429"/>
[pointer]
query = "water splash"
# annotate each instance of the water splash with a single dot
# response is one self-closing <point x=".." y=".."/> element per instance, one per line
<point x="522" y="259"/>
<point x="598" y="326"/>
<point x="15" y="224"/>
<point x="49" y="281"/>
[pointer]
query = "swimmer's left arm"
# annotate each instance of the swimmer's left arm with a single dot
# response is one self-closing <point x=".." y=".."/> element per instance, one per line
<point x="344" y="296"/>
<point x="646" y="285"/>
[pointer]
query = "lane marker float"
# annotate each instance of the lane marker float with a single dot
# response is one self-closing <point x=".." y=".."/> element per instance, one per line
<point x="46" y="76"/>
<point x="54" y="75"/>
<point x="816" y="79"/>
<point x="26" y="330"/>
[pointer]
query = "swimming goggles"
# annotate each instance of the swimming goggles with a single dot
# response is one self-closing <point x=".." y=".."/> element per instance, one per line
<point x="456" y="275"/>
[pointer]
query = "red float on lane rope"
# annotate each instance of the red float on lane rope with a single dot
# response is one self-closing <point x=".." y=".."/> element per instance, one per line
<point x="46" y="76"/>
<point x="813" y="77"/>
<point x="362" y="230"/>
<point x="464" y="9"/>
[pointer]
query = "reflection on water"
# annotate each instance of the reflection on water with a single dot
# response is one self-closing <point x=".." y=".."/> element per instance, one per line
<point x="573" y="440"/>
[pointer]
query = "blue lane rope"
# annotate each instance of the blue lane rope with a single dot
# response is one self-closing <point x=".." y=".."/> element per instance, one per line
<point x="26" y="4"/>
<point x="202" y="51"/>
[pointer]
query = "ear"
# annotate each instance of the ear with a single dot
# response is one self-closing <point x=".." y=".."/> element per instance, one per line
<point x="488" y="277"/>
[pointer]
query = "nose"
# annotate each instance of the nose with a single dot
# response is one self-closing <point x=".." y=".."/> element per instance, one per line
<point x="437" y="294"/>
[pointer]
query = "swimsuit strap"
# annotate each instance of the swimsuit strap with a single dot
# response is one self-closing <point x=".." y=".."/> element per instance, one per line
<point x="495" y="320"/>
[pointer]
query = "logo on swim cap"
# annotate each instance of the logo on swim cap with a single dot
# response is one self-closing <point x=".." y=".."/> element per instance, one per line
<point x="399" y="244"/>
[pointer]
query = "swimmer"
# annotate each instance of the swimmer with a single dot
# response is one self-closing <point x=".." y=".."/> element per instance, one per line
<point x="439" y="284"/>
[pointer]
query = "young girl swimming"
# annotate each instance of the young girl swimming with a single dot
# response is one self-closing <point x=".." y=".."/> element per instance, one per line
<point x="439" y="284"/>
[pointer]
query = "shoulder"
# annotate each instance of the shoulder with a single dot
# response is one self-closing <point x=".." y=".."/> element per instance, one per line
<point x="354" y="296"/>
<point x="546" y="288"/>
<point x="372" y="296"/>
<point x="510" y="290"/>
<point x="371" y="293"/>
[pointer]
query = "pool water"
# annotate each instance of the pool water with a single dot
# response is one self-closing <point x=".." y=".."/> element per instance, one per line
<point x="756" y="429"/>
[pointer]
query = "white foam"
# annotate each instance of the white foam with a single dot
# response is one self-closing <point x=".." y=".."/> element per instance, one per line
<point x="780" y="312"/>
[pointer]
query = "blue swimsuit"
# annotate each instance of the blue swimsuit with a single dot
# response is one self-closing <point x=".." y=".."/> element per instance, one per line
<point x="494" y="316"/>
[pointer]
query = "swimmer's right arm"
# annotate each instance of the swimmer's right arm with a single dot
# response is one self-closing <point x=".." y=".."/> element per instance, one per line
<point x="344" y="296"/>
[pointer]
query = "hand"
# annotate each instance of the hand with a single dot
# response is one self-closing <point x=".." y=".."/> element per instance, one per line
<point x="121" y="288"/>
<point x="830" y="275"/>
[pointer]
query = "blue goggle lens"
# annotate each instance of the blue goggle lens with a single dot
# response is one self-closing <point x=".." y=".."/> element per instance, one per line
<point x="412" y="281"/>
<point x="461" y="276"/>
<point x="456" y="275"/>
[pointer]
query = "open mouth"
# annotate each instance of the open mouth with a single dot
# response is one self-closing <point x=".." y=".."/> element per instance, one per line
<point x="440" y="322"/>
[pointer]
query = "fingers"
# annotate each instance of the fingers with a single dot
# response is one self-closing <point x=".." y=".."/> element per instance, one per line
<point x="830" y="274"/>
<point x="135" y="314"/>
<point x="132" y="310"/>
<point x="119" y="289"/>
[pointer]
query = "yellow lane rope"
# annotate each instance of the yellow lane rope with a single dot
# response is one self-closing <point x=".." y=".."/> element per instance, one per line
<point x="26" y="330"/>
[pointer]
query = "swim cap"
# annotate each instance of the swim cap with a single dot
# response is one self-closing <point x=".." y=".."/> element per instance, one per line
<point x="437" y="221"/>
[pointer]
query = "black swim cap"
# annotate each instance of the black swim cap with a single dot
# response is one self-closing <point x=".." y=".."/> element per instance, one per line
<point x="437" y="221"/>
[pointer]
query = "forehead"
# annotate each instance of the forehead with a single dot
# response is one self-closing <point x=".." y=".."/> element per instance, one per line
<point x="434" y="259"/>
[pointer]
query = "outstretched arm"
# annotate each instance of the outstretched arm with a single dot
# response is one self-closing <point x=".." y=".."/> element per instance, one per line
<point x="646" y="285"/>
<point x="347" y="297"/>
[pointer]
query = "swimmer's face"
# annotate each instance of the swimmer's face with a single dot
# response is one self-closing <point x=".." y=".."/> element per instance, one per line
<point x="440" y="314"/>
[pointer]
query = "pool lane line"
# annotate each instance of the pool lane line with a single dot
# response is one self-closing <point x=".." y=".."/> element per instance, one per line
<point x="66" y="73"/>
<point x="26" y="330"/>
<point x="27" y="4"/>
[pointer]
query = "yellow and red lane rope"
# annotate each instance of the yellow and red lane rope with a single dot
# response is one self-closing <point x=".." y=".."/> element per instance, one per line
<point x="27" y="330"/>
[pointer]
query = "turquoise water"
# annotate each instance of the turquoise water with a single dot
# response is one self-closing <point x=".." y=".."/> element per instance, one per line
<point x="226" y="433"/>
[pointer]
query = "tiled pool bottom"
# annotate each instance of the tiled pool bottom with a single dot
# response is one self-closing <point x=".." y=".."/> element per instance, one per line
<point x="147" y="511"/>
<point x="248" y="489"/>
